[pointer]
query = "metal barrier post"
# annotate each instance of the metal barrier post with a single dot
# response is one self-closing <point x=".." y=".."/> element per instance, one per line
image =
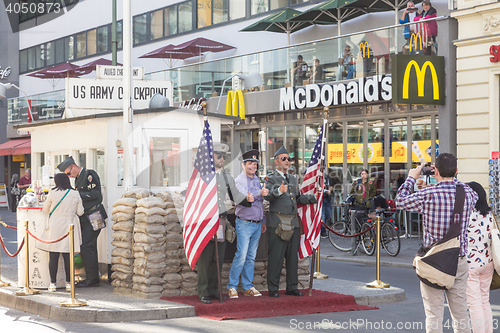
<point x="353" y="231"/>
<point x="2" y="284"/>
<point x="377" y="283"/>
<point x="73" y="301"/>
<point x="27" y="290"/>
<point x="318" y="274"/>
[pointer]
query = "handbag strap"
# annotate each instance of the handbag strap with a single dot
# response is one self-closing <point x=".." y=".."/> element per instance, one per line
<point x="458" y="210"/>
<point x="53" y="209"/>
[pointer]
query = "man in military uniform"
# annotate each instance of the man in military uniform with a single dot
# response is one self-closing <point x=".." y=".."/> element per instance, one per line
<point x="283" y="197"/>
<point x="87" y="183"/>
<point x="208" y="288"/>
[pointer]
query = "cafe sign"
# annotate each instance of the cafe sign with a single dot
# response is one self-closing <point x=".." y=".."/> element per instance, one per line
<point x="5" y="72"/>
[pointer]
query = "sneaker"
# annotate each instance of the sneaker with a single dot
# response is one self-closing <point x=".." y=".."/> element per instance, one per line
<point x="232" y="293"/>
<point x="52" y="287"/>
<point x="68" y="286"/>
<point x="252" y="292"/>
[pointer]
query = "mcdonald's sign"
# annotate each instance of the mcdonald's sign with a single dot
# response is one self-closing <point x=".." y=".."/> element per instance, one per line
<point x="234" y="102"/>
<point x="415" y="36"/>
<point x="417" y="79"/>
<point x="363" y="46"/>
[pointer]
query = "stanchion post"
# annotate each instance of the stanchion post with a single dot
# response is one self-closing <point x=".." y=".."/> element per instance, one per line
<point x="318" y="274"/>
<point x="27" y="290"/>
<point x="2" y="283"/>
<point x="353" y="231"/>
<point x="377" y="283"/>
<point x="73" y="301"/>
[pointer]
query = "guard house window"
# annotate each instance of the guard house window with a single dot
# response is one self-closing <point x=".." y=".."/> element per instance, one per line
<point x="100" y="165"/>
<point x="156" y="24"/>
<point x="165" y="167"/>
<point x="140" y="29"/>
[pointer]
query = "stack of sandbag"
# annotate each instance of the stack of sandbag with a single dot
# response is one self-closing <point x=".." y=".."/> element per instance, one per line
<point x="149" y="247"/>
<point x="260" y="275"/>
<point x="122" y="257"/>
<point x="304" y="273"/>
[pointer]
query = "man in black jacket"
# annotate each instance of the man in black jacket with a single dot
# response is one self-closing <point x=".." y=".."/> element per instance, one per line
<point x="87" y="183"/>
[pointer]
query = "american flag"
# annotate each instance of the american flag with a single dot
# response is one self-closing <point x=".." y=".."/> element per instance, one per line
<point x="201" y="213"/>
<point x="311" y="214"/>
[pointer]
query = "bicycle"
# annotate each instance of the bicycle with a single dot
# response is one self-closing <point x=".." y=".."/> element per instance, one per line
<point x="344" y="227"/>
<point x="389" y="235"/>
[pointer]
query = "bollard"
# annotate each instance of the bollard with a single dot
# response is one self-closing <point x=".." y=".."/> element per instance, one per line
<point x="73" y="301"/>
<point x="377" y="283"/>
<point x="27" y="290"/>
<point x="318" y="274"/>
<point x="2" y="284"/>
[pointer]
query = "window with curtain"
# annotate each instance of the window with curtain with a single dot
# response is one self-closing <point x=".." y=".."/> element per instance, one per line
<point x="91" y="42"/>
<point x="204" y="13"/>
<point x="156" y="24"/>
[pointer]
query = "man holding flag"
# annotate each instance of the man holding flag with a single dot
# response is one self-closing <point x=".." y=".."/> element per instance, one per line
<point x="205" y="214"/>
<point x="283" y="198"/>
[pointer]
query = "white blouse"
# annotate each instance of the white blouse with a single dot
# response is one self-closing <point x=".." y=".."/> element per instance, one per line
<point x="479" y="235"/>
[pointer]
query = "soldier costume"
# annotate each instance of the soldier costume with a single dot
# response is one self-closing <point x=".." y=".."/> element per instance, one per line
<point x="207" y="264"/>
<point x="283" y="204"/>
<point x="88" y="185"/>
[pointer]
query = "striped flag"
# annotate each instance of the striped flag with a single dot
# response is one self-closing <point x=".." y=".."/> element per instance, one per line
<point x="313" y="185"/>
<point x="201" y="212"/>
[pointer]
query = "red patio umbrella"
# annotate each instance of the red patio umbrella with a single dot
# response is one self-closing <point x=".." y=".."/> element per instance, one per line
<point x="60" y="71"/>
<point x="167" y="53"/>
<point x="200" y="45"/>
<point x="91" y="66"/>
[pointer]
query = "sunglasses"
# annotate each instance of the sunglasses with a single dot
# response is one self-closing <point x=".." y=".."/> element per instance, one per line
<point x="221" y="157"/>
<point x="284" y="158"/>
<point x="69" y="172"/>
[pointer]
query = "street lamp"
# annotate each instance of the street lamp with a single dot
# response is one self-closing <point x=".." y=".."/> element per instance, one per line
<point x="3" y="93"/>
<point x="250" y="80"/>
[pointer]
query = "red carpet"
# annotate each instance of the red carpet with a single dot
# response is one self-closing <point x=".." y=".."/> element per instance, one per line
<point x="246" y="307"/>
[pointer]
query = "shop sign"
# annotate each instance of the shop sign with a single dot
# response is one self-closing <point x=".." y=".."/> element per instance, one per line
<point x="116" y="72"/>
<point x="362" y="46"/>
<point x="17" y="158"/>
<point x="365" y="89"/>
<point x="4" y="73"/>
<point x="421" y="152"/>
<point x="414" y="38"/>
<point x="108" y="94"/>
<point x="235" y="104"/>
<point x="193" y="104"/>
<point x="417" y="79"/>
<point x="494" y="52"/>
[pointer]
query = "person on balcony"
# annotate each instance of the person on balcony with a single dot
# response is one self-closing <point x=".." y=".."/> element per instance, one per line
<point x="408" y="16"/>
<point x="346" y="65"/>
<point x="428" y="30"/>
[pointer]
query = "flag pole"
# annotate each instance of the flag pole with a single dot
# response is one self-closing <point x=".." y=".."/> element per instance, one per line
<point x="311" y="277"/>
<point x="205" y="119"/>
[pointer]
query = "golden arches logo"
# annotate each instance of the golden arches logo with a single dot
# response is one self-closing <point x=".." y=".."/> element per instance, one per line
<point x="420" y="72"/>
<point x="235" y="100"/>
<point x="363" y="46"/>
<point x="415" y="36"/>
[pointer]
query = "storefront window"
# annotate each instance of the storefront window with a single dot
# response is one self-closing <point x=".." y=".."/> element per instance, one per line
<point x="91" y="42"/>
<point x="375" y="153"/>
<point x="156" y="25"/>
<point x="294" y="146"/>
<point x="258" y="6"/>
<point x="335" y="163"/>
<point x="220" y="8"/>
<point x="355" y="147"/>
<point x="81" y="45"/>
<point x="185" y="16"/>
<point x="140" y="29"/>
<point x="275" y="137"/>
<point x="170" y="20"/>
<point x="421" y="143"/>
<point x="398" y="154"/>
<point x="204" y="13"/>
<point x="165" y="167"/>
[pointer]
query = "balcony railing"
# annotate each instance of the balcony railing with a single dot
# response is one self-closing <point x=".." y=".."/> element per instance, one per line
<point x="370" y="49"/>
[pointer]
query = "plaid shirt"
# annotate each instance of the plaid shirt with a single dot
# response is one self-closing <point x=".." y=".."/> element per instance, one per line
<point x="436" y="205"/>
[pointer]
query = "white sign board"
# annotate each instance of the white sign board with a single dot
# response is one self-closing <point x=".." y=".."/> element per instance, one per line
<point x="46" y="175"/>
<point x="4" y="201"/>
<point x="108" y="94"/>
<point x="116" y="72"/>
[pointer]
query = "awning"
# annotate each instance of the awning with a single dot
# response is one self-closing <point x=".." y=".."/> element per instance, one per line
<point x="16" y="147"/>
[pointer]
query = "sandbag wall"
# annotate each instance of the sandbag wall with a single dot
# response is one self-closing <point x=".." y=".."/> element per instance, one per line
<point x="149" y="261"/>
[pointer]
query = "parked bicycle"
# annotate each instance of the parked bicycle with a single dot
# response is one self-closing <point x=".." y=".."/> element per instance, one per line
<point x="389" y="235"/>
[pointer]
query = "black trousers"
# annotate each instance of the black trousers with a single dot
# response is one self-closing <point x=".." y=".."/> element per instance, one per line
<point x="207" y="269"/>
<point x="53" y="265"/>
<point x="88" y="249"/>
<point x="278" y="250"/>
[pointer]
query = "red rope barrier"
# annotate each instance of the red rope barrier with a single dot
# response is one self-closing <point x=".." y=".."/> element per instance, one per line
<point x="47" y="242"/>
<point x="342" y="235"/>
<point x="7" y="251"/>
<point x="8" y="226"/>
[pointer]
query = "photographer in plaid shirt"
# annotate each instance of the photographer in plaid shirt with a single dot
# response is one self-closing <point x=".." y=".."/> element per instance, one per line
<point x="436" y="205"/>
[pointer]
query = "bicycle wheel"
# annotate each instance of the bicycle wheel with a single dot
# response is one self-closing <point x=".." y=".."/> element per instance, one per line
<point x="368" y="239"/>
<point x="339" y="242"/>
<point x="389" y="237"/>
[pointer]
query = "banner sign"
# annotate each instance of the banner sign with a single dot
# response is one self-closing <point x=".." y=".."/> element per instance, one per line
<point x="417" y="79"/>
<point x="421" y="152"/>
<point x="364" y="89"/>
<point x="116" y="72"/>
<point x="108" y="94"/>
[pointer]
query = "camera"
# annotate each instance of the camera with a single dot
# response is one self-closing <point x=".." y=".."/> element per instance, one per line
<point x="427" y="170"/>
<point x="411" y="9"/>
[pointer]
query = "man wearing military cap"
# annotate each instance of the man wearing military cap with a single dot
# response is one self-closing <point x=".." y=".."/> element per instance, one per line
<point x="87" y="183"/>
<point x="250" y="223"/>
<point x="207" y="264"/>
<point x="283" y="197"/>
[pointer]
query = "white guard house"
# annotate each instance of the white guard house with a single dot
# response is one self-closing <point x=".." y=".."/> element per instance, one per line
<point x="165" y="142"/>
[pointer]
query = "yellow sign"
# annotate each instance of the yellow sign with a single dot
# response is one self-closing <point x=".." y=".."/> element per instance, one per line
<point x="420" y="79"/>
<point x="235" y="100"/>
<point x="362" y="46"/>
<point x="17" y="158"/>
<point x="416" y="36"/>
<point x="420" y="152"/>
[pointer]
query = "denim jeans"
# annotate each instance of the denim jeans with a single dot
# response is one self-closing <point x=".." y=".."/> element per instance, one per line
<point x="327" y="212"/>
<point x="248" y="236"/>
